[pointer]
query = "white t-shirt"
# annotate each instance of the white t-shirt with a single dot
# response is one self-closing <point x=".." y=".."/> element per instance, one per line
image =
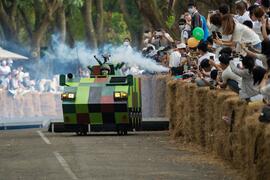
<point x="228" y="74"/>
<point x="243" y="34"/>
<point x="207" y="56"/>
<point x="243" y="18"/>
<point x="4" y="70"/>
<point x="175" y="59"/>
<point x="257" y="28"/>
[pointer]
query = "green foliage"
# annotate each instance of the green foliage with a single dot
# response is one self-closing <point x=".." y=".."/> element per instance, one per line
<point x="76" y="25"/>
<point x="170" y="21"/>
<point x="115" y="28"/>
<point x="75" y="3"/>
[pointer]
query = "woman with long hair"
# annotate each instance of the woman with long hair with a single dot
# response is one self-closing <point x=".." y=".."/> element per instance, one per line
<point x="240" y="33"/>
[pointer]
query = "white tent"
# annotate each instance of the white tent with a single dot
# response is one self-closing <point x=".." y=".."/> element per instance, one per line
<point x="5" y="54"/>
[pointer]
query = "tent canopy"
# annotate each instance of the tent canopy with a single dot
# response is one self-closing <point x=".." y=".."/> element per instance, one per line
<point x="5" y="54"/>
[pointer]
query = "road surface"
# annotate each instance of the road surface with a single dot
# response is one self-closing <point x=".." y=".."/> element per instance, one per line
<point x="36" y="154"/>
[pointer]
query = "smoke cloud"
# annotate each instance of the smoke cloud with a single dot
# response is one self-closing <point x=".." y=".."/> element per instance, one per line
<point x="80" y="52"/>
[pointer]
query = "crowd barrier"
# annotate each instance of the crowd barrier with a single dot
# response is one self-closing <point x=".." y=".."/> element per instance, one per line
<point x="37" y="108"/>
<point x="196" y="115"/>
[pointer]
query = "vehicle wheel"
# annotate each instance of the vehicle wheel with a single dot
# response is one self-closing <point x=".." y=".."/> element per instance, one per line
<point x="78" y="133"/>
<point x="84" y="133"/>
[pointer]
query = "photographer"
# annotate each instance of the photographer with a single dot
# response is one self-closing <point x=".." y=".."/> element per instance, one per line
<point x="206" y="73"/>
<point x="264" y="56"/>
<point x="161" y="39"/>
<point x="240" y="33"/>
<point x="228" y="78"/>
<point x="251" y="78"/>
<point x="204" y="53"/>
<point x="175" y="60"/>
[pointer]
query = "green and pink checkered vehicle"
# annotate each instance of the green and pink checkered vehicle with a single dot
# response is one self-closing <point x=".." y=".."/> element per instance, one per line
<point x="101" y="103"/>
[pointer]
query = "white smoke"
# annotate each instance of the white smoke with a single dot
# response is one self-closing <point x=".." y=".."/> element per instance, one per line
<point x="85" y="55"/>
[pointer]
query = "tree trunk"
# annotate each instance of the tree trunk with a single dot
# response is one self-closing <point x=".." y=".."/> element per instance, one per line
<point x="89" y="26"/>
<point x="136" y="33"/>
<point x="100" y="21"/>
<point x="9" y="28"/>
<point x="61" y="23"/>
<point x="150" y="11"/>
<point x="38" y="34"/>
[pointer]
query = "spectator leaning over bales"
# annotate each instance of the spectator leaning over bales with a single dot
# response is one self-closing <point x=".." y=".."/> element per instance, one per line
<point x="175" y="60"/>
<point x="206" y="73"/>
<point x="264" y="56"/>
<point x="228" y="78"/>
<point x="161" y="39"/>
<point x="240" y="33"/>
<point x="251" y="78"/>
<point x="204" y="53"/>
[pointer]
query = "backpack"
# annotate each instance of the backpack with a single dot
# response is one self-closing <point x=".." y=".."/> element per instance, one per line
<point x="205" y="28"/>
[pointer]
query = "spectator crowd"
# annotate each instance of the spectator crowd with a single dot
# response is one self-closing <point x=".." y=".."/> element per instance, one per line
<point x="18" y="82"/>
<point x="222" y="50"/>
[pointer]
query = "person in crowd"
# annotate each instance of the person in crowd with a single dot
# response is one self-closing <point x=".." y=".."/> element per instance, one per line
<point x="185" y="30"/>
<point x="228" y="78"/>
<point x="175" y="60"/>
<point x="126" y="44"/>
<point x="265" y="28"/>
<point x="265" y="4"/>
<point x="242" y="13"/>
<point x="264" y="56"/>
<point x="256" y="24"/>
<point x="204" y="53"/>
<point x="224" y="9"/>
<point x="20" y="73"/>
<point x="4" y="69"/>
<point x="10" y="62"/>
<point x="197" y="19"/>
<point x="240" y="33"/>
<point x="206" y="73"/>
<point x="161" y="39"/>
<point x="249" y="88"/>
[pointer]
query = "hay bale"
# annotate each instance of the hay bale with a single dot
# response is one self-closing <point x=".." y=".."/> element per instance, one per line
<point x="201" y="109"/>
<point x="262" y="154"/>
<point x="171" y="103"/>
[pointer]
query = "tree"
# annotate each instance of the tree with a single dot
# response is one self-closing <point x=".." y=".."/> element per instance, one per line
<point x="133" y="19"/>
<point x="100" y="21"/>
<point x="8" y="13"/>
<point x="43" y="13"/>
<point x="86" y="10"/>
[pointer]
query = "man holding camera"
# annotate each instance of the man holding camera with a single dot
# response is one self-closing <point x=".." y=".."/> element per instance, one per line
<point x="161" y="39"/>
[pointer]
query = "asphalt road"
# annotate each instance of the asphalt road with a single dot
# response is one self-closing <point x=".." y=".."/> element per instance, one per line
<point x="36" y="154"/>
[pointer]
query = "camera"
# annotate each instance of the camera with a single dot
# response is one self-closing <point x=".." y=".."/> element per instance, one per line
<point x="216" y="35"/>
<point x="182" y="22"/>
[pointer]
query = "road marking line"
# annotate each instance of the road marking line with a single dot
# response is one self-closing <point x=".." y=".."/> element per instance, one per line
<point x="65" y="165"/>
<point x="46" y="140"/>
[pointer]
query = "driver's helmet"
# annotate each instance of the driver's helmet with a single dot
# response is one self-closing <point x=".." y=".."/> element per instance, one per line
<point x="105" y="69"/>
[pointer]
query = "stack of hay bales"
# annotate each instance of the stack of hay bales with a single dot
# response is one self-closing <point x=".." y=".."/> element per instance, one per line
<point x="196" y="115"/>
